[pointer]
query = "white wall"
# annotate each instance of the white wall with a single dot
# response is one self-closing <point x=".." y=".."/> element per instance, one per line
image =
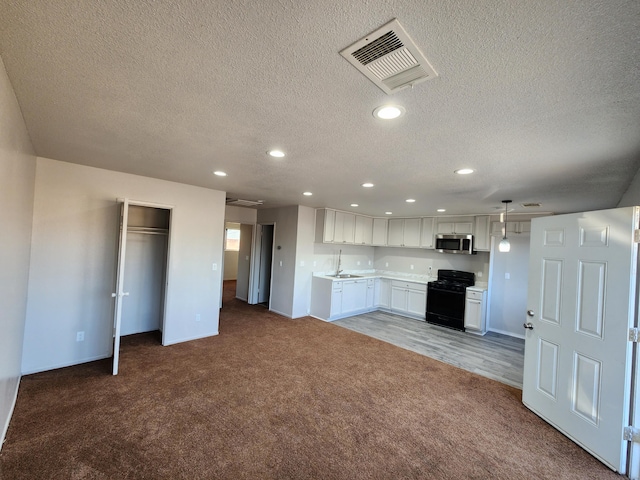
<point x="230" y="265"/>
<point x="508" y="297"/>
<point x="240" y="214"/>
<point x="73" y="257"/>
<point x="244" y="261"/>
<point x="284" y="258"/>
<point x="631" y="197"/>
<point x="401" y="259"/>
<point x="304" y="262"/>
<point x="17" y="177"/>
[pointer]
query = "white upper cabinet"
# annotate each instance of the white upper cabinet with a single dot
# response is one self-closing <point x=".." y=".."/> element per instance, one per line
<point x="457" y="225"/>
<point x="379" y="231"/>
<point x="363" y="230"/>
<point x="497" y="228"/>
<point x="482" y="237"/>
<point x="404" y="232"/>
<point x="325" y="225"/>
<point x="427" y="236"/>
<point x="345" y="228"/>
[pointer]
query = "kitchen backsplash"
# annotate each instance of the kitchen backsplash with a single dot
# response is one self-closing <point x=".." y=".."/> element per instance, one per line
<point x="416" y="262"/>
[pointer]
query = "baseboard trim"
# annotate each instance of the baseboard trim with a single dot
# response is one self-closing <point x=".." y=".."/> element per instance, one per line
<point x="281" y="313"/>
<point x="5" y="428"/>
<point x="504" y="332"/>
<point x="67" y="364"/>
<point x="188" y="339"/>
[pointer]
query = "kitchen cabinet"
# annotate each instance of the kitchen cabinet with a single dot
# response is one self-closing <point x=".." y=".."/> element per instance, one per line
<point x="409" y="298"/>
<point x="382" y="293"/>
<point x="475" y="311"/>
<point x="497" y="228"/>
<point x="371" y="294"/>
<point x="332" y="299"/>
<point x="363" y="230"/>
<point x="354" y="296"/>
<point x="379" y="231"/>
<point x="455" y="225"/>
<point x="427" y="235"/>
<point x="336" y="299"/>
<point x="482" y="233"/>
<point x="325" y="225"/>
<point x="344" y="230"/>
<point x="404" y="232"/>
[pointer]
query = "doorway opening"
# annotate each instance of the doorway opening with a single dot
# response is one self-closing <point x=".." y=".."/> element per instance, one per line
<point x="143" y="252"/>
<point x="260" y="291"/>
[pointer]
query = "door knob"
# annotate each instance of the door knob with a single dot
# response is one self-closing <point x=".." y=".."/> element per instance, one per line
<point x="530" y="313"/>
<point x="528" y="326"/>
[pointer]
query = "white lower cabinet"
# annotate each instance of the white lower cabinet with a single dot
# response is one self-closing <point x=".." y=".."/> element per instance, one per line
<point x="475" y="311"/>
<point x="371" y="293"/>
<point x="409" y="298"/>
<point x="383" y="293"/>
<point x="332" y="299"/>
<point x="354" y="296"/>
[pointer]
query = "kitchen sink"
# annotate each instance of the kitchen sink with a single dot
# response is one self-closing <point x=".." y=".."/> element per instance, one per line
<point x="346" y="275"/>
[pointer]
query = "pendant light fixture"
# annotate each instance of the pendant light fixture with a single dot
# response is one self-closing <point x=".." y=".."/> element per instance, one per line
<point x="505" y="245"/>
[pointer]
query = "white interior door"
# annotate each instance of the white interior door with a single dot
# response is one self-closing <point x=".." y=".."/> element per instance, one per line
<point x="581" y="301"/>
<point x="119" y="294"/>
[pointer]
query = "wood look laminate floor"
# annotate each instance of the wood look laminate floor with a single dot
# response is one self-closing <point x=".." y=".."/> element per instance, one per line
<point x="493" y="355"/>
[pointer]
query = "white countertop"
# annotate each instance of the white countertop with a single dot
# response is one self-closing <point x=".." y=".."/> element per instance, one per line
<point x="408" y="277"/>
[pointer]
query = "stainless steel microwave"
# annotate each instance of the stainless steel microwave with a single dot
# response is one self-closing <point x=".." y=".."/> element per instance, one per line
<point x="455" y="244"/>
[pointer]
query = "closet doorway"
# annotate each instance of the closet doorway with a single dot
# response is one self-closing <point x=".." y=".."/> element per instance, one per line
<point x="261" y="265"/>
<point x="142" y="271"/>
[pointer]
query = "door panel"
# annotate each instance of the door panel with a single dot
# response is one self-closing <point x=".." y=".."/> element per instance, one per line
<point x="119" y="294"/>
<point x="581" y="300"/>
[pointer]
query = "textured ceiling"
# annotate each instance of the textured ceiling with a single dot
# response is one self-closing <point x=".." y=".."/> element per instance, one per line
<point x="542" y="98"/>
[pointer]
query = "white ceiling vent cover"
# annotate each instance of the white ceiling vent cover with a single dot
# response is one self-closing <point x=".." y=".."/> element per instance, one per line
<point x="389" y="58"/>
<point x="243" y="203"/>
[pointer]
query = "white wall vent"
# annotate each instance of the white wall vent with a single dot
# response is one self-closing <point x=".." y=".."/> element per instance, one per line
<point x="243" y="203"/>
<point x="389" y="58"/>
<point x="530" y="205"/>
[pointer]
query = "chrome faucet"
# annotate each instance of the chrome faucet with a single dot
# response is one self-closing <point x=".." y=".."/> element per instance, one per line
<point x="338" y="271"/>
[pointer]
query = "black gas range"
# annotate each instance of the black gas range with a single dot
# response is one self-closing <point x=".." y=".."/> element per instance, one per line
<point x="446" y="298"/>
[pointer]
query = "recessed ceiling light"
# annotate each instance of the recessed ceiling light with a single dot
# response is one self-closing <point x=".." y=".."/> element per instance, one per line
<point x="388" y="213"/>
<point x="442" y="210"/>
<point x="410" y="200"/>
<point x="464" y="171"/>
<point x="307" y="194"/>
<point x="220" y="173"/>
<point x="388" y="112"/>
<point x="355" y="205"/>
<point x="367" y="185"/>
<point x="276" y="153"/>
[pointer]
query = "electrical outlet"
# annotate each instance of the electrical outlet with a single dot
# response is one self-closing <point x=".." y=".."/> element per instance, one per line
<point x="197" y="317"/>
<point x="302" y="263"/>
<point x="315" y="263"/>
<point x="369" y="262"/>
<point x="507" y="276"/>
<point x="479" y="274"/>
<point x="358" y="262"/>
<point x="214" y="267"/>
<point x="280" y="262"/>
<point x="80" y="337"/>
<point x="386" y="264"/>
<point x="411" y="267"/>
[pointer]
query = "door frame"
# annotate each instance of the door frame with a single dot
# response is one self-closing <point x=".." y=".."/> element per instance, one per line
<point x="122" y="262"/>
<point x="256" y="262"/>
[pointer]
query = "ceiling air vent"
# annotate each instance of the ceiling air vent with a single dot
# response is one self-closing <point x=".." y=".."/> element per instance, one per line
<point x="243" y="203"/>
<point x="530" y="205"/>
<point x="389" y="58"/>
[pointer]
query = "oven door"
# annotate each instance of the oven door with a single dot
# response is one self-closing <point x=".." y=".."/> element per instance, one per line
<point x="445" y="308"/>
<point x="445" y="303"/>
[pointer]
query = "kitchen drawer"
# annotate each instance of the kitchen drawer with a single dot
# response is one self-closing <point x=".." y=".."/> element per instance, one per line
<point x="413" y="286"/>
<point x="474" y="295"/>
